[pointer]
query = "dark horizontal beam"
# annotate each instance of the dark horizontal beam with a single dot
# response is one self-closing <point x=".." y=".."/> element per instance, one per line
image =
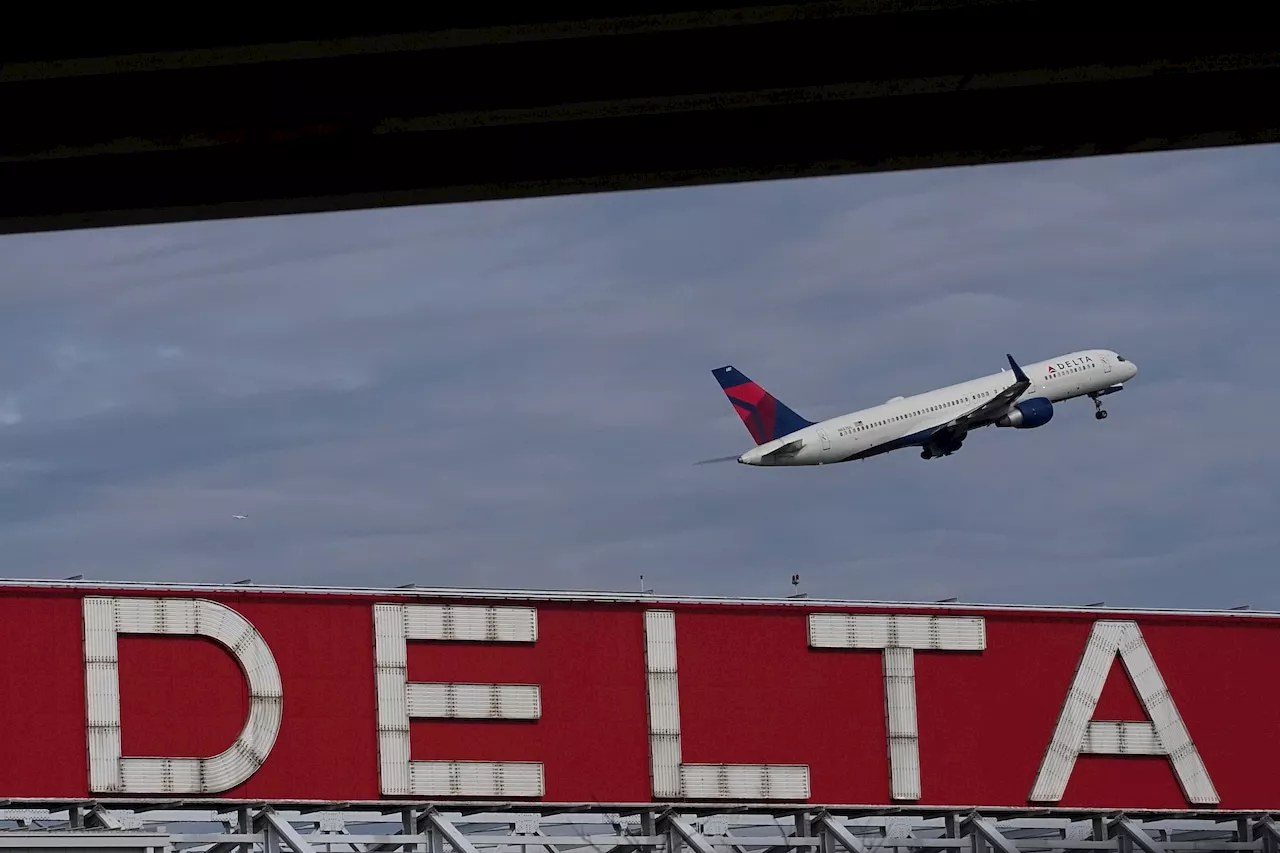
<point x="473" y="109"/>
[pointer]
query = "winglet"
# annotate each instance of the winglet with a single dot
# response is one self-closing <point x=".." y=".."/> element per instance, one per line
<point x="1017" y="371"/>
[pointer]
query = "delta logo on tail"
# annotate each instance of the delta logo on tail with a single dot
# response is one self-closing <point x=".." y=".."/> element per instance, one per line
<point x="765" y="417"/>
<point x="936" y="422"/>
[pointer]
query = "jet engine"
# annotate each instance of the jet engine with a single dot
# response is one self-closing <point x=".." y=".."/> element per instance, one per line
<point x="942" y="444"/>
<point x="1028" y="414"/>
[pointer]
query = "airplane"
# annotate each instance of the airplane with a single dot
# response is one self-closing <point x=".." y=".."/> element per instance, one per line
<point x="936" y="421"/>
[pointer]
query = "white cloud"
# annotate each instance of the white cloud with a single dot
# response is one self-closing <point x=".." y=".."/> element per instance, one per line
<point x="10" y="412"/>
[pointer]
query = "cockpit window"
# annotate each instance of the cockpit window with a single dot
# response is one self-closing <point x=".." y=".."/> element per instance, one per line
<point x="1121" y="358"/>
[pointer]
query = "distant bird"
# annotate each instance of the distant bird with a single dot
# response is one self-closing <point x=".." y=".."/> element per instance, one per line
<point x="240" y="516"/>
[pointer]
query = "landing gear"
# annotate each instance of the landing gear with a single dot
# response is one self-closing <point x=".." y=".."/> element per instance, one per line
<point x="1101" y="413"/>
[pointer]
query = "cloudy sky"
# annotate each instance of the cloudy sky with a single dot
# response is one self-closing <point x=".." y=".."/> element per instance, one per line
<point x="513" y="393"/>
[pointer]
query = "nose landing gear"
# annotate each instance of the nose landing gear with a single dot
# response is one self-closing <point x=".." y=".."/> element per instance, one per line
<point x="1101" y="413"/>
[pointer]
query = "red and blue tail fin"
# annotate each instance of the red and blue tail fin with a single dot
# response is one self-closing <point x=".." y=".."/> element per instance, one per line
<point x="765" y="416"/>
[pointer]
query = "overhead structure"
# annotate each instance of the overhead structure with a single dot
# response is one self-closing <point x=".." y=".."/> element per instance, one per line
<point x="454" y="102"/>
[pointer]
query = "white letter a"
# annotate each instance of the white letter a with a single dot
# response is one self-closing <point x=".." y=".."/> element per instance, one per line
<point x="1078" y="732"/>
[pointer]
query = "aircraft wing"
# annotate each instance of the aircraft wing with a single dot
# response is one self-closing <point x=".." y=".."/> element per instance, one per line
<point x="990" y="408"/>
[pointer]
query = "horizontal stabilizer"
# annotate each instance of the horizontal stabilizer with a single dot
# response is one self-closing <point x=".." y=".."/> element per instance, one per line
<point x="785" y="449"/>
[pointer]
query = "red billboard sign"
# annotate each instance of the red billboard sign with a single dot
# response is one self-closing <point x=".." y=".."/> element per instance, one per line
<point x="356" y="696"/>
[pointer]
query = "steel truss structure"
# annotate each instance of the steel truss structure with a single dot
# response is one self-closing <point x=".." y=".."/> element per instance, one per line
<point x="535" y="828"/>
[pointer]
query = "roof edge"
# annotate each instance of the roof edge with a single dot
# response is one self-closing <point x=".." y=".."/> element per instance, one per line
<point x="601" y="596"/>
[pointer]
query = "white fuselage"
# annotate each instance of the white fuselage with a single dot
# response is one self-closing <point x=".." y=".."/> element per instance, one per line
<point x="894" y="424"/>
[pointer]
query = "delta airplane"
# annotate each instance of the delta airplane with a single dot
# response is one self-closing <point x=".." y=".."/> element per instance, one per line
<point x="936" y="421"/>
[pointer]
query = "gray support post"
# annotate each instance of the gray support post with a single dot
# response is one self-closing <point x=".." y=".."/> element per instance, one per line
<point x="99" y="816"/>
<point x="282" y="829"/>
<point x="270" y="838"/>
<point x="450" y="832"/>
<point x="411" y="823"/>
<point x="833" y="831"/>
<point x="248" y="826"/>
<point x="1265" y="829"/>
<point x="435" y="839"/>
<point x="409" y="826"/>
<point x="826" y="839"/>
<point x="648" y="828"/>
<point x="1135" y="835"/>
<point x="245" y="827"/>
<point x="802" y="825"/>
<point x="688" y="834"/>
<point x="979" y="827"/>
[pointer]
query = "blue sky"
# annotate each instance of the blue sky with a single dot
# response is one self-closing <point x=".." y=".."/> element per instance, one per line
<point x="513" y="393"/>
